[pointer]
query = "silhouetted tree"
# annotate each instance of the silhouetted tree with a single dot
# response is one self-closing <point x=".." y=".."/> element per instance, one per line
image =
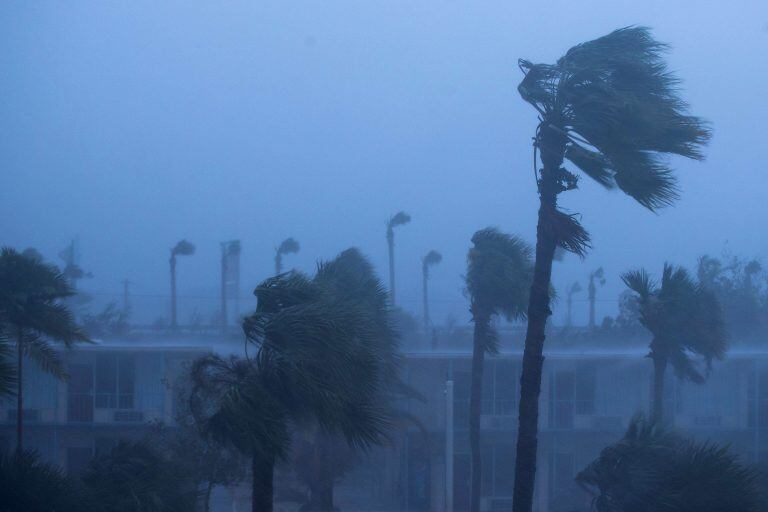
<point x="612" y="108"/>
<point x="287" y="246"/>
<point x="33" y="314"/>
<point x="29" y="485"/>
<point x="134" y="476"/>
<point x="684" y="319"/>
<point x="431" y="259"/>
<point x="652" y="468"/>
<point x="499" y="273"/>
<point x="399" y="219"/>
<point x="7" y="367"/>
<point x="182" y="248"/>
<point x="599" y="276"/>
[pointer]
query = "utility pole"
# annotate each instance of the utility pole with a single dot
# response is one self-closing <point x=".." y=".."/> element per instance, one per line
<point x="224" y="317"/>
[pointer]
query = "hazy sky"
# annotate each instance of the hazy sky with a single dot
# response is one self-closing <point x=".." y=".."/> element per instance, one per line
<point x="133" y="124"/>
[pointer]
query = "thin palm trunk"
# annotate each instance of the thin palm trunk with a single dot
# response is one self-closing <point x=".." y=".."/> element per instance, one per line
<point x="475" y="407"/>
<point x="20" y="395"/>
<point x="173" y="291"/>
<point x="321" y="489"/>
<point x="391" y="248"/>
<point x="263" y="470"/>
<point x="552" y="144"/>
<point x="425" y="297"/>
<point x="659" y="370"/>
<point x="278" y="264"/>
<point x="207" y="496"/>
<point x="592" y="297"/>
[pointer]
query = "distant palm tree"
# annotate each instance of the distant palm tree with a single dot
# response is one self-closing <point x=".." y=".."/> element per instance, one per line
<point x="612" y="108"/>
<point x="33" y="314"/>
<point x="599" y="276"/>
<point x="399" y="219"/>
<point x="431" y="259"/>
<point x="499" y="273"/>
<point x="182" y="248"/>
<point x="684" y="319"/>
<point x="572" y="290"/>
<point x="7" y="367"/>
<point x="652" y="468"/>
<point x="287" y="246"/>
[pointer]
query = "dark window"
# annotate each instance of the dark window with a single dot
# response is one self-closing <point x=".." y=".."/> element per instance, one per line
<point x="115" y="376"/>
<point x="80" y="395"/>
<point x="562" y="398"/>
<point x="586" y="379"/>
<point x="506" y="387"/>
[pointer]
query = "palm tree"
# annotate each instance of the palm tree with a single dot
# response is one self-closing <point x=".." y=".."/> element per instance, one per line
<point x="572" y="290"/>
<point x="431" y="259"/>
<point x="33" y="314"/>
<point x="287" y="246"/>
<point x="652" y="468"/>
<point x="399" y="219"/>
<point x="685" y="320"/>
<point x="182" y="248"/>
<point x="610" y="107"/>
<point x="499" y="272"/>
<point x="598" y="275"/>
<point x="7" y="368"/>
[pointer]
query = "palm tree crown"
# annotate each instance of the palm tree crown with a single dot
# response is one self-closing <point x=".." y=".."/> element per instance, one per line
<point x="617" y="108"/>
<point x="684" y="318"/>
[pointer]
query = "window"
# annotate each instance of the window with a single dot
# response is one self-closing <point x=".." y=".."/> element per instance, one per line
<point x="757" y="398"/>
<point x="506" y="388"/>
<point x="114" y="382"/>
<point x="80" y="393"/>
<point x="561" y="475"/>
<point x="586" y="378"/>
<point x="562" y="398"/>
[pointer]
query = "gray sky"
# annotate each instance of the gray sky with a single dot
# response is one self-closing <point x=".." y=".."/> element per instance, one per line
<point x="133" y="124"/>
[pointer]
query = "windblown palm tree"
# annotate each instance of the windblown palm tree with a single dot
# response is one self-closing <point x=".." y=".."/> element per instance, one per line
<point x="182" y="248"/>
<point x="399" y="219"/>
<point x="599" y="276"/>
<point x="499" y="273"/>
<point x="652" y="468"/>
<point x="32" y="314"/>
<point x="685" y="321"/>
<point x="325" y="350"/>
<point x="431" y="259"/>
<point x="572" y="290"/>
<point x="610" y="107"/>
<point x="7" y="367"/>
<point x="287" y="246"/>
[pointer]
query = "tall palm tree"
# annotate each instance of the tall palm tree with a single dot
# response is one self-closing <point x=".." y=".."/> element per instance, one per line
<point x="599" y="276"/>
<point x="287" y="246"/>
<point x="399" y="219"/>
<point x="7" y="367"/>
<point x="652" y="468"/>
<point x="33" y="314"/>
<point x="610" y="107"/>
<point x="431" y="259"/>
<point x="685" y="320"/>
<point x="572" y="290"/>
<point x="499" y="273"/>
<point x="182" y="248"/>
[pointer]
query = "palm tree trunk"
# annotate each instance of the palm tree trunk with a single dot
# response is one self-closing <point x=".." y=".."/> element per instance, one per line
<point x="391" y="248"/>
<point x="425" y="297"/>
<point x="20" y="394"/>
<point x="207" y="496"/>
<point x="174" y="323"/>
<point x="552" y="145"/>
<point x="475" y="407"/>
<point x="278" y="264"/>
<point x="263" y="471"/>
<point x="659" y="369"/>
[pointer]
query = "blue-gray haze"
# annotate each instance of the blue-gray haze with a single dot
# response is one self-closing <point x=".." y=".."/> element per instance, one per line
<point x="133" y="124"/>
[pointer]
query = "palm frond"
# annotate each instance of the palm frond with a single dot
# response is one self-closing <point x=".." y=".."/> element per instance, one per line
<point x="45" y="355"/>
<point x="432" y="258"/>
<point x="568" y="232"/>
<point x="640" y="282"/>
<point x="183" y="248"/>
<point x="398" y="219"/>
<point x="288" y="246"/>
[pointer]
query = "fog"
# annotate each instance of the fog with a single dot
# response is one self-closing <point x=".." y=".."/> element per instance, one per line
<point x="132" y="125"/>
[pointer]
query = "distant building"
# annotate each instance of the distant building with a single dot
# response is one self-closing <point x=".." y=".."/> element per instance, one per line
<point x="587" y="399"/>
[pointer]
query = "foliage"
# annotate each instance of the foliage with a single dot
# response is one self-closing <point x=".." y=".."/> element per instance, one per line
<point x="183" y="248"/>
<point x="31" y="309"/>
<point x="7" y="367"/>
<point x="288" y="246"/>
<point x="29" y="485"/>
<point x="652" y="468"/>
<point x="499" y="274"/>
<point x="683" y="317"/>
<point x="135" y="477"/>
<point x="736" y="283"/>
<point x="398" y="219"/>
<point x="110" y="321"/>
<point x="432" y="258"/>
<point x="615" y="105"/>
